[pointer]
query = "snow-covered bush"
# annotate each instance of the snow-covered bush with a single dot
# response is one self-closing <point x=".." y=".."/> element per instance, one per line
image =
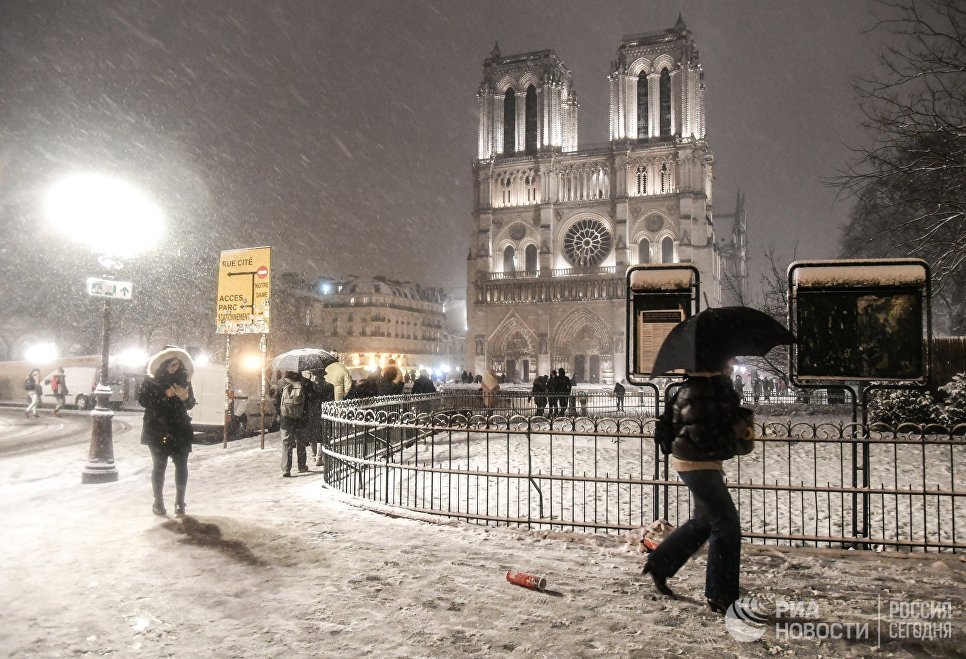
<point x="894" y="407"/>
<point x="954" y="400"/>
<point x="948" y="408"/>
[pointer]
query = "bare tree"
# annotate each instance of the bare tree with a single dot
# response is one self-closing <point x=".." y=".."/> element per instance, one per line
<point x="771" y="297"/>
<point x="910" y="182"/>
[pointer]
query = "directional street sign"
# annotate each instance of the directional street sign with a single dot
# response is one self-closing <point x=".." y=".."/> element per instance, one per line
<point x="244" y="291"/>
<point x="119" y="290"/>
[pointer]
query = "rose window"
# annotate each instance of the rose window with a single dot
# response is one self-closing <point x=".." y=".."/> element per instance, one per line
<point x="587" y="243"/>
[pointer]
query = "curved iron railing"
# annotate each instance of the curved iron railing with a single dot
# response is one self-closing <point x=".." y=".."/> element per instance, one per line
<point x="829" y="484"/>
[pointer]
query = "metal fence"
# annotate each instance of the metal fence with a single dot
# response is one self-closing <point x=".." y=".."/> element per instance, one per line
<point x="831" y="484"/>
<point x="596" y="400"/>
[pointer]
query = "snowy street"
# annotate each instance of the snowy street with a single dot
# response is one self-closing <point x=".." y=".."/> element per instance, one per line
<point x="266" y="566"/>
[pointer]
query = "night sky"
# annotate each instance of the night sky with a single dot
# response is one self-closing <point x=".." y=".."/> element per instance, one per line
<point x="342" y="133"/>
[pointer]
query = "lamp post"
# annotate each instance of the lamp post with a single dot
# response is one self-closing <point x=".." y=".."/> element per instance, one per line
<point x="116" y="221"/>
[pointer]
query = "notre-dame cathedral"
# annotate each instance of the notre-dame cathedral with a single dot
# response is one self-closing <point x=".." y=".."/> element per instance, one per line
<point x="557" y="224"/>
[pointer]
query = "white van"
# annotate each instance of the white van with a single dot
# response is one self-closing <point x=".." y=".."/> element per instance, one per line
<point x="208" y="414"/>
<point x="81" y="382"/>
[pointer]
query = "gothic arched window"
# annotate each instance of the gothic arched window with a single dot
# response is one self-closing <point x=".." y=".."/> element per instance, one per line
<point x="667" y="250"/>
<point x="665" y="95"/>
<point x="642" y="180"/>
<point x="508" y="259"/>
<point x="507" y="184"/>
<point x="642" y="106"/>
<point x="644" y="251"/>
<point x="510" y="121"/>
<point x="531" y="120"/>
<point x="530" y="258"/>
<point x="665" y="179"/>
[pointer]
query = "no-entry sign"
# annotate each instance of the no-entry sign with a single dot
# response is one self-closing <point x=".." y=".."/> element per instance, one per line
<point x="244" y="291"/>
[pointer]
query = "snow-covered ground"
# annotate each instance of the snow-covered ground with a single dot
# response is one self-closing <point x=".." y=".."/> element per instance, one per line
<point x="266" y="566"/>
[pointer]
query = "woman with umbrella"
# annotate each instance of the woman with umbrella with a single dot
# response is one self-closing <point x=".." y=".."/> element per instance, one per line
<point x="700" y="427"/>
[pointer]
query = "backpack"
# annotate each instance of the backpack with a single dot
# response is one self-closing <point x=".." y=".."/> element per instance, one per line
<point x="29" y="384"/>
<point x="293" y="401"/>
<point x="55" y="383"/>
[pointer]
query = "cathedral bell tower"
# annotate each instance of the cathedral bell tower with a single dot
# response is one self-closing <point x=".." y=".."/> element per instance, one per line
<point x="527" y="105"/>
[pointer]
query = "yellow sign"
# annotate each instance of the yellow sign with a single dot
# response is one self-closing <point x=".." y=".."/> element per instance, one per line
<point x="244" y="291"/>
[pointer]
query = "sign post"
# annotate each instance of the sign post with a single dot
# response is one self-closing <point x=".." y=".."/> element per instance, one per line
<point x="100" y="467"/>
<point x="243" y="307"/>
<point x="860" y="321"/>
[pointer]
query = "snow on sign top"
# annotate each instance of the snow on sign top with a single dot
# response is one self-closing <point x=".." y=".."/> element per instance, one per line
<point x="838" y="274"/>
<point x="661" y="279"/>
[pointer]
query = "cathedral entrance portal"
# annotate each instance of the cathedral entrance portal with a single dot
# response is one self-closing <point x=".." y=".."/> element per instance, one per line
<point x="582" y="346"/>
<point x="514" y="349"/>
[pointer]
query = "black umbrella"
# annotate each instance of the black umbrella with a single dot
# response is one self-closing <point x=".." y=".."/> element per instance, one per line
<point x="304" y="359"/>
<point x="705" y="340"/>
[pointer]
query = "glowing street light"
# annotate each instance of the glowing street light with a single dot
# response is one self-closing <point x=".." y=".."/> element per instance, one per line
<point x="116" y="221"/>
<point x="41" y="353"/>
<point x="252" y="362"/>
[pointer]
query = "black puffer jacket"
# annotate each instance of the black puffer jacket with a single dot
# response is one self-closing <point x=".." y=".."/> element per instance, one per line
<point x="166" y="421"/>
<point x="703" y="412"/>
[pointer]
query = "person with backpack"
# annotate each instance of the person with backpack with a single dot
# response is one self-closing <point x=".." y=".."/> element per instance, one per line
<point x="34" y="393"/>
<point x="58" y="387"/>
<point x="291" y="398"/>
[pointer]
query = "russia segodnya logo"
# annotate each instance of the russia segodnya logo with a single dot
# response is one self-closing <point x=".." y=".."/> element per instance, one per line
<point x="746" y="619"/>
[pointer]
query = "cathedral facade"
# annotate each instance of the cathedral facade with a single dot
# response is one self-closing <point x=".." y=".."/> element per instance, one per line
<point x="555" y="225"/>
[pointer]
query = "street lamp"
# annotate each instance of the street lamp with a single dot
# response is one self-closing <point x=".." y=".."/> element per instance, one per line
<point x="117" y="222"/>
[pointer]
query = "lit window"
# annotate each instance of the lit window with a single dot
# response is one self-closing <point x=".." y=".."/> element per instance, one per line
<point x="509" y="121"/>
<point x="530" y="124"/>
<point x="642" y="180"/>
<point x="665" y="97"/>
<point x="644" y="251"/>
<point x="642" y="107"/>
<point x="667" y="250"/>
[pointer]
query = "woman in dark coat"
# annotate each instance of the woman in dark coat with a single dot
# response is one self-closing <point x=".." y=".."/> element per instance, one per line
<point x="166" y="397"/>
<point x="699" y="423"/>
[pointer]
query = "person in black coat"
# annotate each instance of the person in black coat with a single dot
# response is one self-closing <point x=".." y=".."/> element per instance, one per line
<point x="560" y="389"/>
<point x="699" y="422"/>
<point x="423" y="384"/>
<point x="619" y="392"/>
<point x="321" y="392"/>
<point x="391" y="383"/>
<point x="539" y="393"/>
<point x="166" y="396"/>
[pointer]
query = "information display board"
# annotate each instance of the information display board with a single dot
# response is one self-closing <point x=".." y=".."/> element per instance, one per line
<point x="659" y="297"/>
<point x="860" y="320"/>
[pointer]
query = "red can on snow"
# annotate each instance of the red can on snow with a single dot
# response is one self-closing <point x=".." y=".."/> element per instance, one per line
<point x="527" y="580"/>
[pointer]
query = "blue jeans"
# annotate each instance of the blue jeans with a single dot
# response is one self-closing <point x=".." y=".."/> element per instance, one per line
<point x="714" y="520"/>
